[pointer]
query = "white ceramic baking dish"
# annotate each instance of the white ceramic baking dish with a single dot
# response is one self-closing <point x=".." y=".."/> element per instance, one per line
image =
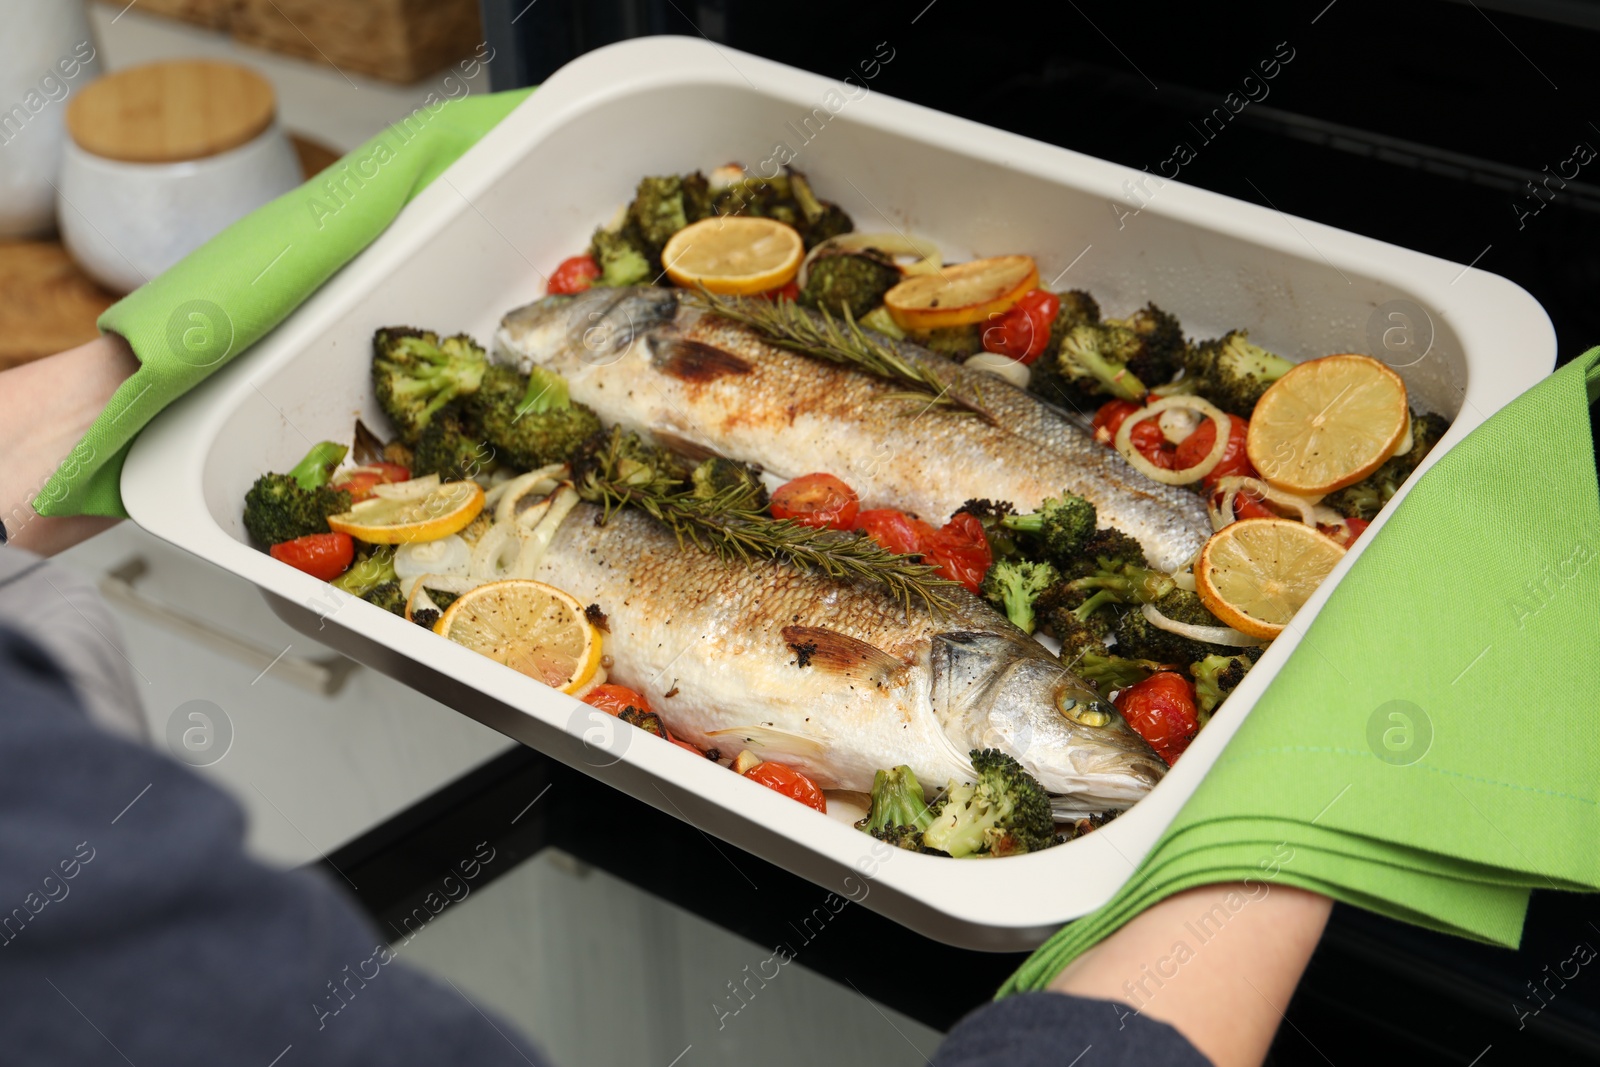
<point x="473" y="245"/>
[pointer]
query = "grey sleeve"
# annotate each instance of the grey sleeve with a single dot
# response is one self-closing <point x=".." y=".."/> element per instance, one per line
<point x="134" y="928"/>
<point x="1054" y="1030"/>
<point x="63" y="614"/>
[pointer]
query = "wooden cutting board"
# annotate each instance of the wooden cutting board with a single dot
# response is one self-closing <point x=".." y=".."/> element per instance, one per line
<point x="47" y="304"/>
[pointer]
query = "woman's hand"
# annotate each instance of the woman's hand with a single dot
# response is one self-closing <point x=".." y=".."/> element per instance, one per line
<point x="1218" y="963"/>
<point x="45" y="408"/>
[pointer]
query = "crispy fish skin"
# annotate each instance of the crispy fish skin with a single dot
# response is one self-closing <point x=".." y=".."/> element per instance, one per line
<point x="699" y="383"/>
<point x="835" y="678"/>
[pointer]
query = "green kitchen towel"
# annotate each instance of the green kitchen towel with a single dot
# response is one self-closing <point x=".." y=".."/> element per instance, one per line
<point x="1429" y="752"/>
<point x="236" y="287"/>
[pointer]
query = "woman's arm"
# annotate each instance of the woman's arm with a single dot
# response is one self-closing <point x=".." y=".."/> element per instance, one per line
<point x="45" y="408"/>
<point x="1218" y="963"/>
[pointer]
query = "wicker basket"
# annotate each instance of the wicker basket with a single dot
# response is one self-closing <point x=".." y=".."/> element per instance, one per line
<point x="212" y="14"/>
<point x="395" y="40"/>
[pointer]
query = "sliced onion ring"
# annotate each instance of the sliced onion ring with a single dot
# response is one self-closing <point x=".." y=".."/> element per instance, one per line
<point x="1211" y="635"/>
<point x="1188" y="475"/>
<point x="1230" y="487"/>
<point x="447" y="555"/>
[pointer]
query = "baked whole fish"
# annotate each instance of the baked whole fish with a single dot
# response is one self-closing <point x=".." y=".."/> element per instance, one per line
<point x="834" y="678"/>
<point x="646" y="360"/>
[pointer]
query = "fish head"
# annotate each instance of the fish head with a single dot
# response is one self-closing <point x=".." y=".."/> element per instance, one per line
<point x="596" y="327"/>
<point x="993" y="690"/>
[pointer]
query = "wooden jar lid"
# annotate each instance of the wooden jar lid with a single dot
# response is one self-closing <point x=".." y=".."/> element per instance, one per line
<point x="169" y="112"/>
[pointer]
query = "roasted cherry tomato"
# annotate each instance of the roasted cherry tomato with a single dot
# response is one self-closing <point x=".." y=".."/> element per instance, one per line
<point x="614" y="699"/>
<point x="1146" y="436"/>
<point x="1246" y="505"/>
<point x="574" y="275"/>
<point x="819" y="500"/>
<point x="1022" y="331"/>
<point x="1197" y="446"/>
<point x="686" y="746"/>
<point x="790" y="782"/>
<point x="358" y="482"/>
<point x="788" y="291"/>
<point x="324" y="556"/>
<point x="960" y="550"/>
<point x="894" y="530"/>
<point x="1346" y="535"/>
<point x="1108" y="420"/>
<point x="1161" y="709"/>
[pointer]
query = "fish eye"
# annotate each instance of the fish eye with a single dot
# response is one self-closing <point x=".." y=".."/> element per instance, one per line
<point x="1082" y="708"/>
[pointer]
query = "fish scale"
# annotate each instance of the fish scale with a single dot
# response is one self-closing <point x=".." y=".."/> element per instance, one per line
<point x="645" y="360"/>
<point x="885" y="684"/>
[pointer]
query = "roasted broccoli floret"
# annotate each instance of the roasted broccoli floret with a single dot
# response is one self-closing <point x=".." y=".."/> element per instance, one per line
<point x="899" y="812"/>
<point x="371" y="568"/>
<point x="282" y="507"/>
<point x="1013" y="586"/>
<point x="530" y="420"/>
<point x="880" y="320"/>
<point x="1092" y="360"/>
<point x="452" y="448"/>
<point x="1003" y="544"/>
<point x="664" y="205"/>
<point x="1232" y="373"/>
<point x="1151" y="344"/>
<point x="951" y="342"/>
<point x="1366" y="498"/>
<point x="717" y="475"/>
<point x="1003" y="813"/>
<point x="316" y="467"/>
<point x="1081" y="627"/>
<point x="387" y="596"/>
<point x="787" y="198"/>
<point x="416" y="374"/>
<point x="1112" y="562"/>
<point x="1216" y="676"/>
<point x="848" y="281"/>
<point x="823" y="219"/>
<point x="1140" y="637"/>
<point x="1062" y="526"/>
<point x="622" y="257"/>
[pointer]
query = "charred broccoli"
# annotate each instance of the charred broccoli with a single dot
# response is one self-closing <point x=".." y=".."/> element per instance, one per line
<point x="664" y="205"/>
<point x="371" y="569"/>
<point x="1077" y="308"/>
<point x="415" y="374"/>
<point x="316" y="467"/>
<point x="529" y="419"/>
<point x="718" y="475"/>
<point x="1013" y="586"/>
<point x="282" y="507"/>
<point x="853" y="281"/>
<point x="452" y="448"/>
<point x="990" y="513"/>
<point x="1216" y="676"/>
<point x="1151" y="342"/>
<point x="787" y="198"/>
<point x="1114" y="563"/>
<point x="1141" y="637"/>
<point x="1077" y="621"/>
<point x="1232" y="373"/>
<point x="1366" y="498"/>
<point x="622" y="257"/>
<point x="899" y="811"/>
<point x="1062" y="526"/>
<point x="1093" y="360"/>
<point x="951" y="342"/>
<point x="1003" y="813"/>
<point x="387" y="596"/>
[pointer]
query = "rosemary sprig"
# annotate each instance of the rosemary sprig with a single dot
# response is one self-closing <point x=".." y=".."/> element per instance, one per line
<point x="726" y="514"/>
<point x="785" y="324"/>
